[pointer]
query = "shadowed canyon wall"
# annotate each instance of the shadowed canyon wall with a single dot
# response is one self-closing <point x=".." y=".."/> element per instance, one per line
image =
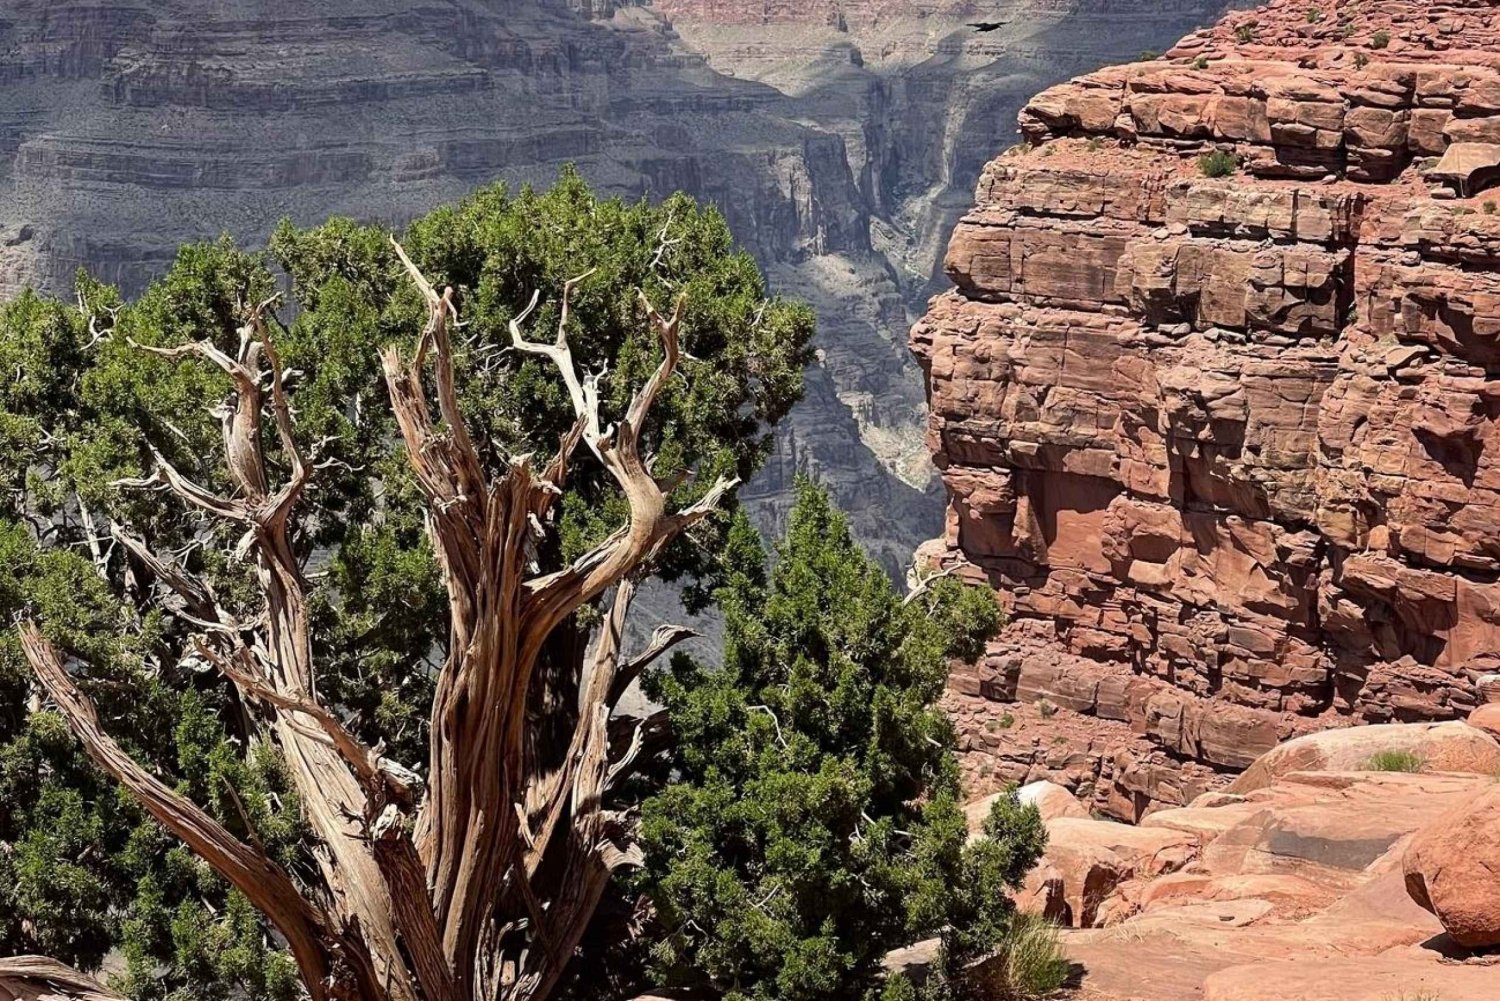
<point x="841" y="139"/>
<point x="1228" y="446"/>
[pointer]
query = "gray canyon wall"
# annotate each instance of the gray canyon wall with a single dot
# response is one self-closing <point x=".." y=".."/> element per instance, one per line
<point x="842" y="139"/>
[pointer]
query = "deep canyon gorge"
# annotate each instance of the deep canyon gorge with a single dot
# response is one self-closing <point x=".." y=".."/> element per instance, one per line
<point x="841" y="139"/>
<point x="1192" y="358"/>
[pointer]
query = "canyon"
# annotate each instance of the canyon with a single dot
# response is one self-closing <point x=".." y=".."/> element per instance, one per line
<point x="842" y="139"/>
<point x="1215" y="401"/>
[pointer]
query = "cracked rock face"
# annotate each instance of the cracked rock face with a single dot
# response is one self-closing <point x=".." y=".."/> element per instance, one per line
<point x="1227" y="446"/>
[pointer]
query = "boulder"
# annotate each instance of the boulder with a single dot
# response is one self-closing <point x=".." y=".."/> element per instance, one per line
<point x="1442" y="747"/>
<point x="1051" y="800"/>
<point x="1487" y="719"/>
<point x="1452" y="869"/>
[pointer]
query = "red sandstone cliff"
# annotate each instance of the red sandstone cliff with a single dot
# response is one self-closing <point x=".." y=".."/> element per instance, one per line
<point x="1228" y="447"/>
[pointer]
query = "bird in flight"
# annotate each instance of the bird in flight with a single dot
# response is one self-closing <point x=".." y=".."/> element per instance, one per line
<point x="987" y="25"/>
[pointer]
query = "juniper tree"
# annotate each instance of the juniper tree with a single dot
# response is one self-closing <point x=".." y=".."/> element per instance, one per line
<point x="314" y="578"/>
<point x="814" y="822"/>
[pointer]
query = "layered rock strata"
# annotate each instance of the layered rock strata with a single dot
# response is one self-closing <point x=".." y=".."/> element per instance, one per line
<point x="1227" y="446"/>
<point x="827" y="133"/>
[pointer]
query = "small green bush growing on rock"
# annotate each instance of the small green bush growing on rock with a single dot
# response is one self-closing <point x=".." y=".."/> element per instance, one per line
<point x="1218" y="163"/>
<point x="1394" y="761"/>
<point x="1380" y="39"/>
<point x="1244" y="34"/>
<point x="1314" y="15"/>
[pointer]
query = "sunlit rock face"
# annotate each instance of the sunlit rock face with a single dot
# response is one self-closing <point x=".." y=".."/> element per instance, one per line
<point x="841" y="141"/>
<point x="1227" y="445"/>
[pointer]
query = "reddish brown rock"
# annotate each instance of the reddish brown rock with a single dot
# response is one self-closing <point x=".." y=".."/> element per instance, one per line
<point x="1295" y="892"/>
<point x="1451" y="869"/>
<point x="1088" y="860"/>
<point x="1228" y="448"/>
<point x="1050" y="799"/>
<point x="1411" y="974"/>
<point x="1487" y="719"/>
<point x="1436" y="747"/>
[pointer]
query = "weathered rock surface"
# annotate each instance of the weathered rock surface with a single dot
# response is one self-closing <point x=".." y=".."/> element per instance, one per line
<point x="1227" y="447"/>
<point x="1088" y="860"/>
<point x="1452" y="867"/>
<point x="1293" y="891"/>
<point x="1437" y="747"/>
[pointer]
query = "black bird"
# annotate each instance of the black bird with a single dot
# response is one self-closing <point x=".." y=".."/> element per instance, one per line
<point x="987" y="25"/>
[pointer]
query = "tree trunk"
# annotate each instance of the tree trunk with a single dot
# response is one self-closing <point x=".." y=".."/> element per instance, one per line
<point x="478" y="887"/>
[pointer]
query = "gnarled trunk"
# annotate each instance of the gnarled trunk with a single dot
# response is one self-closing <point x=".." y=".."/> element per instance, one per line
<point x="479" y="887"/>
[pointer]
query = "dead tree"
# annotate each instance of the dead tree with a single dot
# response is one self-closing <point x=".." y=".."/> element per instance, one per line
<point x="477" y="884"/>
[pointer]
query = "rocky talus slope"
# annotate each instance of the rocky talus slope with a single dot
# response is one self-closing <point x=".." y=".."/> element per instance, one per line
<point x="1227" y="446"/>
<point x="1295" y="885"/>
<point x="828" y="133"/>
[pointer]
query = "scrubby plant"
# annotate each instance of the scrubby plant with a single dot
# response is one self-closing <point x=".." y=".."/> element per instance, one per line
<point x="1314" y="15"/>
<point x="1244" y="33"/>
<point x="1218" y="163"/>
<point x="814" y="824"/>
<point x="1201" y="63"/>
<point x="1380" y="39"/>
<point x="1394" y="761"/>
<point x="257" y="549"/>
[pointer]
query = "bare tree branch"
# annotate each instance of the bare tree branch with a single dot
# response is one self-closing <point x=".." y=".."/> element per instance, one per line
<point x="250" y="871"/>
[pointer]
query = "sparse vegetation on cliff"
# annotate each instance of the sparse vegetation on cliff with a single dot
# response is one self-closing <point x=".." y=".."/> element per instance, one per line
<point x="1218" y="163"/>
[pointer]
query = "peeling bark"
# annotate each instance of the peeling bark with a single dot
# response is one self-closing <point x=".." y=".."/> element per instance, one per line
<point x="37" y="978"/>
<point x="480" y="886"/>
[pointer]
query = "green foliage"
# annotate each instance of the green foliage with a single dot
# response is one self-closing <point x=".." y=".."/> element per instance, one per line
<point x="1245" y="33"/>
<point x="1028" y="965"/>
<point x="1218" y="163"/>
<point x="1314" y="15"/>
<point x="815" y="823"/>
<point x="1380" y="39"/>
<point x="88" y="872"/>
<point x="1201" y="63"/>
<point x="1148" y="56"/>
<point x="1394" y="761"/>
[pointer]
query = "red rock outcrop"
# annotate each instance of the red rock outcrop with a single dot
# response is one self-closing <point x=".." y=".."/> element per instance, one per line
<point x="1292" y="891"/>
<point x="1228" y="446"/>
